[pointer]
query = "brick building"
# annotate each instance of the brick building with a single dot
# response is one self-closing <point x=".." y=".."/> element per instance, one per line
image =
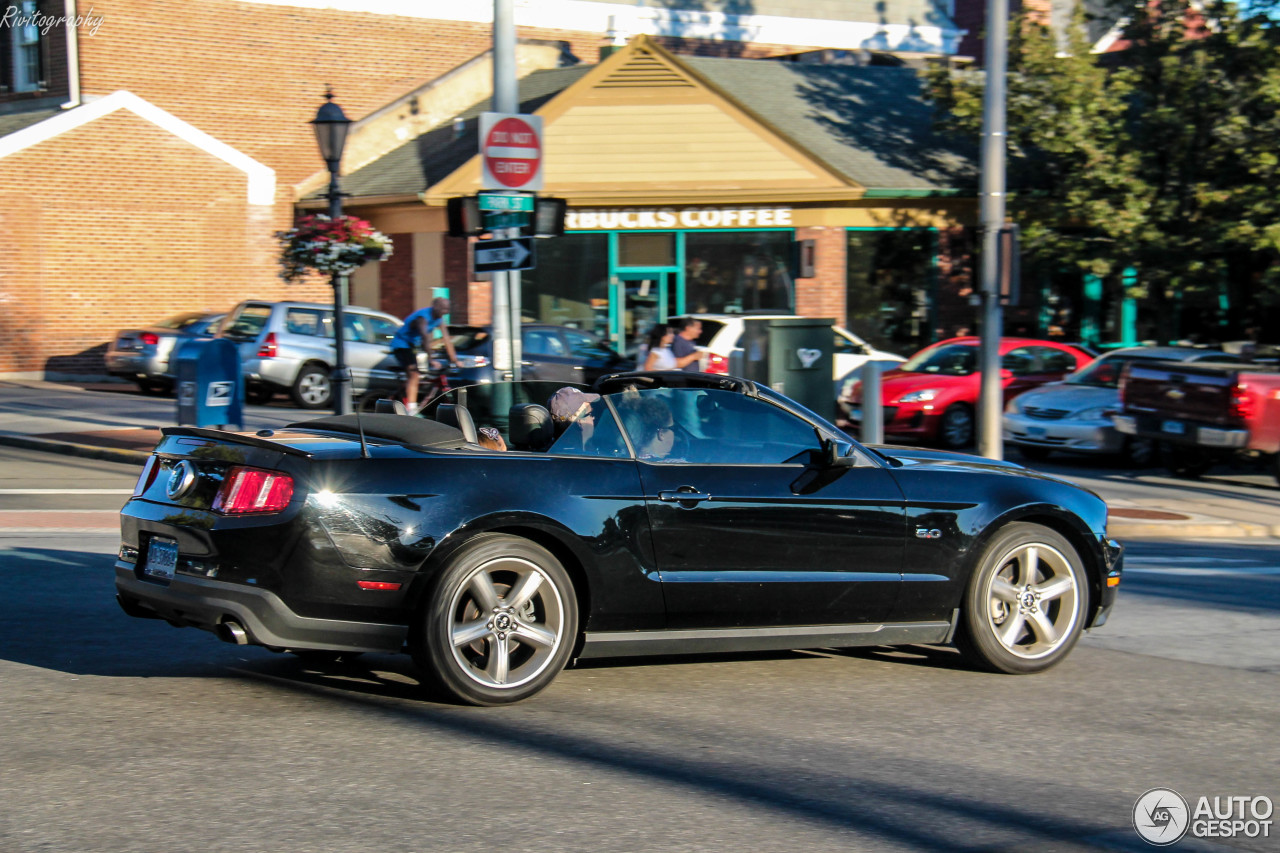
<point x="149" y="149"/>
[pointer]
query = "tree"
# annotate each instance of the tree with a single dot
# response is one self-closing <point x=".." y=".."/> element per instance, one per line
<point x="1161" y="159"/>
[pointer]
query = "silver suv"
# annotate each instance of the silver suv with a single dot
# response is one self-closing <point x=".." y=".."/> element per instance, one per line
<point x="289" y="346"/>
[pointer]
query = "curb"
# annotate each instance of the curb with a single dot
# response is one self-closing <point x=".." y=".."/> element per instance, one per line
<point x="1195" y="530"/>
<point x="87" y="451"/>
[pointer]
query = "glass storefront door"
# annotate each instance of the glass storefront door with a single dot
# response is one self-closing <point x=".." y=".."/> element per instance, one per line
<point x="639" y="300"/>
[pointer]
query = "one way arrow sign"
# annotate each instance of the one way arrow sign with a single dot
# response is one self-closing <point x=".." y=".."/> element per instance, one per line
<point x="504" y="255"/>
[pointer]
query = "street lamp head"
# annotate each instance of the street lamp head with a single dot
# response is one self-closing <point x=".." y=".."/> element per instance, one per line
<point x="331" y="125"/>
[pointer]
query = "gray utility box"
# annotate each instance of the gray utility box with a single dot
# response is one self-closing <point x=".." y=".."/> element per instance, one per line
<point x="793" y="356"/>
<point x="210" y="387"/>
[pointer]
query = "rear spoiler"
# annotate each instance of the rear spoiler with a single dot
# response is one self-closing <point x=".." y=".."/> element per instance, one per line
<point x="221" y="436"/>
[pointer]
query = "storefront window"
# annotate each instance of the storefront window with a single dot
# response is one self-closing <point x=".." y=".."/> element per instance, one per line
<point x="891" y="287"/>
<point x="570" y="285"/>
<point x="738" y="271"/>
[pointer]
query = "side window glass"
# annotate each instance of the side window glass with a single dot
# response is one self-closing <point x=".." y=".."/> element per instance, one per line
<point x="1019" y="362"/>
<point x="303" y="321"/>
<point x="541" y="342"/>
<point x="383" y="329"/>
<point x="1055" y="361"/>
<point x="583" y="345"/>
<point x="357" y="328"/>
<point x="712" y="427"/>
<point x="249" y="322"/>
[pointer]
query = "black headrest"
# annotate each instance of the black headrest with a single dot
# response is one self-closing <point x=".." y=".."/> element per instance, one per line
<point x="389" y="407"/>
<point x="458" y="416"/>
<point x="530" y="427"/>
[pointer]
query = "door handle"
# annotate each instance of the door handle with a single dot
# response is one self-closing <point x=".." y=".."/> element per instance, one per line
<point x="685" y="494"/>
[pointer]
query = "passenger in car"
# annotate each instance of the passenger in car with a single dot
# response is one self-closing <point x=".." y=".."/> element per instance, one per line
<point x="651" y="426"/>
<point x="492" y="439"/>
<point x="573" y="419"/>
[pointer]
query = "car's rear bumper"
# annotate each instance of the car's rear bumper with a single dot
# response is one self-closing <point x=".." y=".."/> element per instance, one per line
<point x="1178" y="431"/>
<point x="266" y="619"/>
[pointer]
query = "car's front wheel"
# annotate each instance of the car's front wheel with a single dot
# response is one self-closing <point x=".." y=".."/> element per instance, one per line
<point x="956" y="428"/>
<point x="501" y="622"/>
<point x="1025" y="604"/>
<point x="313" y="389"/>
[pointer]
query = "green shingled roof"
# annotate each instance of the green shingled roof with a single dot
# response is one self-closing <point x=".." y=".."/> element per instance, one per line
<point x="435" y="155"/>
<point x="869" y="124"/>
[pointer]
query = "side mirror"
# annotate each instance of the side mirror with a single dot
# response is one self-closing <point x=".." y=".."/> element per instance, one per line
<point x="831" y="457"/>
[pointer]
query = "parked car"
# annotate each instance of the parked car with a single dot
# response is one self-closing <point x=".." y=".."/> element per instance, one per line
<point x="932" y="397"/>
<point x="552" y="353"/>
<point x="1203" y="413"/>
<point x="289" y="346"/>
<point x="673" y="525"/>
<point x="143" y="355"/>
<point x="722" y="337"/>
<point x="1074" y="415"/>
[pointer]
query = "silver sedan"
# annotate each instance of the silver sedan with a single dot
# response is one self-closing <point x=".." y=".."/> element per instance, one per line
<point x="1074" y="415"/>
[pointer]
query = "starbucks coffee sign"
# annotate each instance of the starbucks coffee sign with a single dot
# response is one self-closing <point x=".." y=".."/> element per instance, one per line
<point x="615" y="219"/>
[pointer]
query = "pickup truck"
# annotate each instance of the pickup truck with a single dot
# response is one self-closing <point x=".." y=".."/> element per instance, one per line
<point x="1203" y="412"/>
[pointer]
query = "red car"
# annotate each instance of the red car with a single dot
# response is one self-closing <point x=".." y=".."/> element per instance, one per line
<point x="932" y="397"/>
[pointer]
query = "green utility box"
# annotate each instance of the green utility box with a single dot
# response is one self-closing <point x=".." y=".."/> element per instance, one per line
<point x="793" y="356"/>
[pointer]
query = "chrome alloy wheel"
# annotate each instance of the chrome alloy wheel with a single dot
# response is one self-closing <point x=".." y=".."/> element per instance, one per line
<point x="314" y="388"/>
<point x="1033" y="600"/>
<point x="506" y="622"/>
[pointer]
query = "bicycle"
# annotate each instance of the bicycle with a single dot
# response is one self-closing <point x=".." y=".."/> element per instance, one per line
<point x="432" y="384"/>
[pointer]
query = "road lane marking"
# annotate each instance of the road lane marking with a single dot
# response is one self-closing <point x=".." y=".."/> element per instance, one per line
<point x="66" y="491"/>
<point x="1204" y="571"/>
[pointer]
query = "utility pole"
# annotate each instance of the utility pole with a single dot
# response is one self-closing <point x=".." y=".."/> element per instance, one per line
<point x="991" y="214"/>
<point x="506" y="285"/>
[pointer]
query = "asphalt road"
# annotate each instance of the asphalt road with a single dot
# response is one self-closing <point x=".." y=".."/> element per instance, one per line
<point x="129" y="735"/>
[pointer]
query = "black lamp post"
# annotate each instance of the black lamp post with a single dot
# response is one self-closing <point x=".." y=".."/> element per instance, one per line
<point x="331" y="125"/>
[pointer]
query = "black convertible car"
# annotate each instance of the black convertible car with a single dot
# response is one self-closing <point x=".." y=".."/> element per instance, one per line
<point x="656" y="513"/>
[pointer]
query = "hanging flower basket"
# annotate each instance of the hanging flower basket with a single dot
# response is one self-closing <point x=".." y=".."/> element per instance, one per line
<point x="329" y="246"/>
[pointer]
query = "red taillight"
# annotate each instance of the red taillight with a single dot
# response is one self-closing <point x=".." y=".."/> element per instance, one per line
<point x="149" y="338"/>
<point x="253" y="490"/>
<point x="268" y="348"/>
<point x="382" y="585"/>
<point x="147" y="477"/>
<point x="717" y="364"/>
<point x="1241" y="403"/>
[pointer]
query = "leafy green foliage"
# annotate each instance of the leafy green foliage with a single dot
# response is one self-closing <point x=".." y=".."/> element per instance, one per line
<point x="1163" y="158"/>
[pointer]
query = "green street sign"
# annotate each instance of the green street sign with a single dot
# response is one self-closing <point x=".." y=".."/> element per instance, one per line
<point x="505" y="220"/>
<point x="497" y="202"/>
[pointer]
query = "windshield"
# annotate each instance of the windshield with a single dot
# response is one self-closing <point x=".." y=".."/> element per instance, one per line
<point x="180" y="321"/>
<point x="949" y="360"/>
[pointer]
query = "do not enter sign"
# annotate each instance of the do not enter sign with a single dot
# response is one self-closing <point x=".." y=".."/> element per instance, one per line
<point x="511" y="151"/>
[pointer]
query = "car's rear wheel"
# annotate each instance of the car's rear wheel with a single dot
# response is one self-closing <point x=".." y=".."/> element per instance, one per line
<point x="501" y="622"/>
<point x="155" y="387"/>
<point x="956" y="428"/>
<point x="313" y="389"/>
<point x="1025" y="605"/>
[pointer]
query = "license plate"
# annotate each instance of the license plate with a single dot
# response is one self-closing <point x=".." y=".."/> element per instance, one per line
<point x="1035" y="430"/>
<point x="162" y="559"/>
<point x="1173" y="427"/>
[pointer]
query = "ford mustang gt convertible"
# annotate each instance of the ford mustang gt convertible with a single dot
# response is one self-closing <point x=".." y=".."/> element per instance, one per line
<point x="654" y="513"/>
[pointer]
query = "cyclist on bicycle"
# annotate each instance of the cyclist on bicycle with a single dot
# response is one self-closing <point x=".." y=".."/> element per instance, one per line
<point x="416" y="332"/>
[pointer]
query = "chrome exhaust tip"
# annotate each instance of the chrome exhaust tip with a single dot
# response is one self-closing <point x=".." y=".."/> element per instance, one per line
<point x="233" y="632"/>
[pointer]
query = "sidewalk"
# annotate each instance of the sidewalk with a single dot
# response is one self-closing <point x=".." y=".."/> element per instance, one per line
<point x="59" y="418"/>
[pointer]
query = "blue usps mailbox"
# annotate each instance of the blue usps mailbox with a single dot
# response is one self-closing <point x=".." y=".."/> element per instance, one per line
<point x="210" y="387"/>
